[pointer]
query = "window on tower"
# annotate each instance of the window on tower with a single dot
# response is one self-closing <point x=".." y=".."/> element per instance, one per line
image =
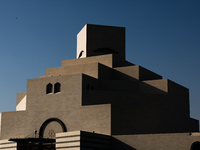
<point x="49" y="88"/>
<point x="57" y="87"/>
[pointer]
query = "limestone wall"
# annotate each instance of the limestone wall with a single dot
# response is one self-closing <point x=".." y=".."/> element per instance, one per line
<point x="81" y="140"/>
<point x="22" y="104"/>
<point x="107" y="60"/>
<point x="175" y="141"/>
<point x="135" y="72"/>
<point x="8" y="145"/>
<point x="13" y="124"/>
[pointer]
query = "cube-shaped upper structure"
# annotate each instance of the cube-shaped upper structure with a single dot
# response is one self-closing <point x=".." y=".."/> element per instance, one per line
<point x="95" y="40"/>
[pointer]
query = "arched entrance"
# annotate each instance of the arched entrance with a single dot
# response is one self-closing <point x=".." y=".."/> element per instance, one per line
<point x="51" y="127"/>
<point x="51" y="131"/>
<point x="195" y="146"/>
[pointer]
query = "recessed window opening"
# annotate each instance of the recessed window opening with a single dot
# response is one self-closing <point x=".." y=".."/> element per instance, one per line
<point x="57" y="87"/>
<point x="88" y="86"/>
<point x="49" y="88"/>
<point x="106" y="51"/>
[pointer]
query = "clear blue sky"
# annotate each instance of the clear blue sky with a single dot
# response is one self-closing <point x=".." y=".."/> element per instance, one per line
<point x="161" y="35"/>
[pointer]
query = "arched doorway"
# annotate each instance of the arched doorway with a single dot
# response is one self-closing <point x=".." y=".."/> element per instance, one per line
<point x="50" y="127"/>
<point x="46" y="140"/>
<point x="195" y="146"/>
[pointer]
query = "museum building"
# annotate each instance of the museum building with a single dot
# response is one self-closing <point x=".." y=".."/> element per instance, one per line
<point x="100" y="101"/>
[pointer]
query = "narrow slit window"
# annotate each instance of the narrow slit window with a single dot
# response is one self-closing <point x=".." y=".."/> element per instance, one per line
<point x="57" y="87"/>
<point x="49" y="88"/>
<point x="88" y="87"/>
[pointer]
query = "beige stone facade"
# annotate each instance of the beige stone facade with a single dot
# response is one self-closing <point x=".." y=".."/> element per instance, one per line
<point x="100" y="101"/>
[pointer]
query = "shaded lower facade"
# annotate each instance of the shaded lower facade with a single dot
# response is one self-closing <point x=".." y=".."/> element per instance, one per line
<point x="34" y="143"/>
<point x="82" y="140"/>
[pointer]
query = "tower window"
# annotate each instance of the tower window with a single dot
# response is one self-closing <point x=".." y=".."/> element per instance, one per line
<point x="49" y="88"/>
<point x="57" y="87"/>
<point x="88" y="86"/>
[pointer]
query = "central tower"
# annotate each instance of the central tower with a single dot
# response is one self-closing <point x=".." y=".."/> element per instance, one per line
<point x="95" y="40"/>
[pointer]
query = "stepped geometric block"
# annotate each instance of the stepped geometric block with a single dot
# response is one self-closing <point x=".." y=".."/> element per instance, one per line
<point x="100" y="101"/>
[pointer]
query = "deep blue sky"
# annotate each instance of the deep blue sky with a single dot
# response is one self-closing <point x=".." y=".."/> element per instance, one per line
<point x="161" y="35"/>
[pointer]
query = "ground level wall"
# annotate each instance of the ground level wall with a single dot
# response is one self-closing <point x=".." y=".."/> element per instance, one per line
<point x="174" y="141"/>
